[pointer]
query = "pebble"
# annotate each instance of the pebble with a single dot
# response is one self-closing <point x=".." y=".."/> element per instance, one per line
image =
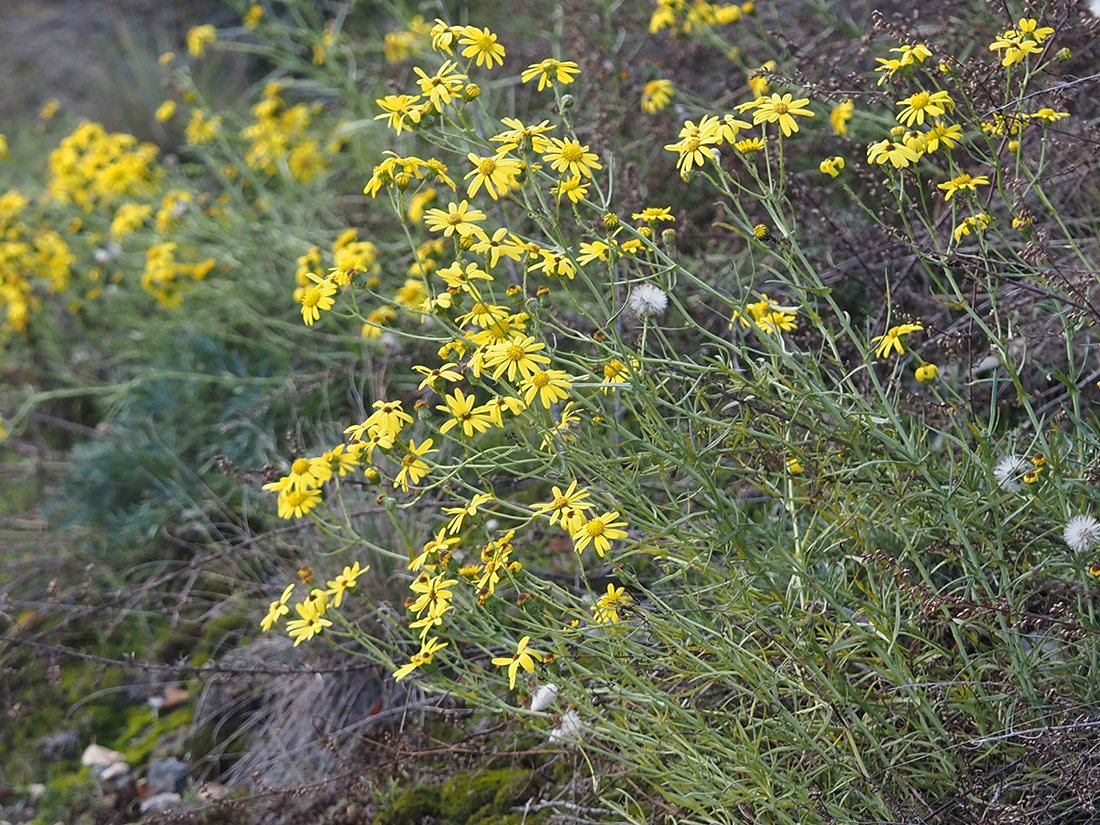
<point x="97" y="756"/>
<point x="167" y="775"/>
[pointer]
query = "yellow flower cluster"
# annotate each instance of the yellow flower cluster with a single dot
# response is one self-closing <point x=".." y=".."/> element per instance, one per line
<point x="312" y="610"/>
<point x="278" y="138"/>
<point x="1027" y="38"/>
<point x="687" y="16"/>
<point x="698" y="142"/>
<point x="767" y="316"/>
<point x="92" y="165"/>
<point x="28" y="258"/>
<point x="165" y="275"/>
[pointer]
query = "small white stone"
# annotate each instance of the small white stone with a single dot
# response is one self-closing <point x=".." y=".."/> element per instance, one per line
<point x="97" y="756"/>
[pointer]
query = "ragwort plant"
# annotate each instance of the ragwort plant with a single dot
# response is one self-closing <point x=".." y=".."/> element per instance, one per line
<point x="771" y="558"/>
<point x="758" y="548"/>
<point x="760" y="573"/>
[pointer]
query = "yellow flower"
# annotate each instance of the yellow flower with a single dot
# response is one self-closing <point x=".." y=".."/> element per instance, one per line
<point x="388" y="419"/>
<point x="776" y="109"/>
<point x="606" y="608"/>
<point x="766" y="315"/>
<point x="444" y="87"/>
<point x="296" y="503"/>
<point x="550" y="70"/>
<point x="1018" y="43"/>
<point x="432" y="375"/>
<point x="316" y="299"/>
<point x="896" y="154"/>
<point x="517" y="132"/>
<point x="202" y="128"/>
<point x="50" y="109"/>
<point x="311" y="621"/>
<point x="977" y="222"/>
<point x="831" y="166"/>
<point x="462" y="411"/>
<point x="457" y="218"/>
<point x="595" y="251"/>
<point x="549" y="386"/>
<point x="413" y="466"/>
<point x="400" y="111"/>
<point x="927" y="372"/>
<point x="891" y="341"/>
<point x="574" y="188"/>
<point x="570" y="157"/>
<point x="962" y="183"/>
<point x="427" y="652"/>
<point x="840" y="115"/>
<point x="253" y="16"/>
<point x="495" y="407"/>
<point x="523" y="657"/>
<point x="165" y="111"/>
<point x="942" y="134"/>
<point x="497" y="173"/>
<point x="434" y="595"/>
<point x="277" y="609"/>
<point x="598" y="531"/>
<point x="694" y="144"/>
<point x="518" y="354"/>
<point x="482" y="44"/>
<point x="656" y="95"/>
<point x="460" y="514"/>
<point x="199" y="38"/>
<point x="571" y="499"/>
<point x="344" y="582"/>
<point x="924" y="104"/>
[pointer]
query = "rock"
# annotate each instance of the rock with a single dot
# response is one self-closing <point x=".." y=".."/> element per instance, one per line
<point x="97" y="756"/>
<point x="167" y="775"/>
<point x="35" y="791"/>
<point x="62" y="744"/>
<point x="160" y="802"/>
<point x="116" y="776"/>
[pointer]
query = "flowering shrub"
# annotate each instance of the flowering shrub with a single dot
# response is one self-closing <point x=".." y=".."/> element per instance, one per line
<point x="763" y="474"/>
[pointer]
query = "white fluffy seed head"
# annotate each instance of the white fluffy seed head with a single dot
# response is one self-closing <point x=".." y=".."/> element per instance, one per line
<point x="544" y="697"/>
<point x="1081" y="533"/>
<point x="647" y="299"/>
<point x="1009" y="471"/>
<point x="568" y="729"/>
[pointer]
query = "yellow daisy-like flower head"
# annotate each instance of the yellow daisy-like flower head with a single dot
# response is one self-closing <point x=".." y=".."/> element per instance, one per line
<point x="482" y="45"/>
<point x="891" y="341"/>
<point x="549" y="71"/>
<point x="569" y="157"/>
<point x="778" y="109"/>
<point x="523" y="657"/>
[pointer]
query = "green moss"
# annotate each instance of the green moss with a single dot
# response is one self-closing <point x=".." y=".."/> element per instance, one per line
<point x="471" y="797"/>
<point x="67" y="795"/>
<point x="145" y="731"/>
<point x="411" y="807"/>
